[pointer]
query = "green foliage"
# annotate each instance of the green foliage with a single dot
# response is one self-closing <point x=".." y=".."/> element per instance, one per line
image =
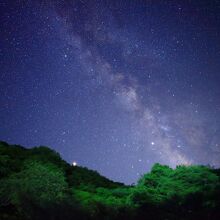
<point x="83" y="177"/>
<point x="11" y="158"/>
<point x="37" y="184"/>
<point x="164" y="183"/>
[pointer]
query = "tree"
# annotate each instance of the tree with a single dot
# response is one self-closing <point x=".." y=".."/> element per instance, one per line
<point x="37" y="186"/>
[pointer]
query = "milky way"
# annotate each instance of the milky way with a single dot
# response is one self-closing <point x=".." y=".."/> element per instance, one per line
<point x="114" y="85"/>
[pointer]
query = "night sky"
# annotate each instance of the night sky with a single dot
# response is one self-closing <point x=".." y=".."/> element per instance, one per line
<point x="114" y="85"/>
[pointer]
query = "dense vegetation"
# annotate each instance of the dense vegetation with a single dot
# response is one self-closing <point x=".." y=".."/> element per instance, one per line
<point x="37" y="184"/>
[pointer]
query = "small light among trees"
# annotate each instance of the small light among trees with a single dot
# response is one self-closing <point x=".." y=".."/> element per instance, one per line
<point x="74" y="163"/>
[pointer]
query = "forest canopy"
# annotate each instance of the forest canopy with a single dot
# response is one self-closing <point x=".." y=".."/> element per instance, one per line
<point x="37" y="183"/>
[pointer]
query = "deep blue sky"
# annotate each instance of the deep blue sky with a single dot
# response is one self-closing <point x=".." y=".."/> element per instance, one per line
<point x="113" y="85"/>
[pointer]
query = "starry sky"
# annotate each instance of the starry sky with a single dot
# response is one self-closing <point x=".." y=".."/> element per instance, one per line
<point x="114" y="85"/>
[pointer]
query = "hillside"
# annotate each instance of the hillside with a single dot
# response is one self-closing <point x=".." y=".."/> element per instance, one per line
<point x="37" y="184"/>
